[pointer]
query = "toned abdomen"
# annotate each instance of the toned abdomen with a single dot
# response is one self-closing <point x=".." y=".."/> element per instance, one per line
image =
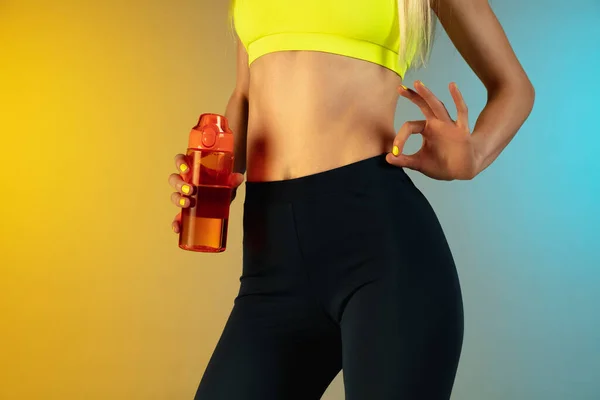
<point x="314" y="111"/>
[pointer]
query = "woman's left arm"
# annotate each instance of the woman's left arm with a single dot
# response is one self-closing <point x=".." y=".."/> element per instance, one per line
<point x="476" y="33"/>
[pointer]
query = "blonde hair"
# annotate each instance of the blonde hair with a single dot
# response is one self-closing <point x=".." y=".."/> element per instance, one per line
<point x="417" y="24"/>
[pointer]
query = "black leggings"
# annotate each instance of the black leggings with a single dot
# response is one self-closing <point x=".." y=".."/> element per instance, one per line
<point x="347" y="268"/>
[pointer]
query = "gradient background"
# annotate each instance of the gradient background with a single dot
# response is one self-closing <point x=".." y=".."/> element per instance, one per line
<point x="97" y="300"/>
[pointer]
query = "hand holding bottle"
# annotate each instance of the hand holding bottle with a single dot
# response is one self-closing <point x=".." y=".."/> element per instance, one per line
<point x="183" y="189"/>
<point x="206" y="185"/>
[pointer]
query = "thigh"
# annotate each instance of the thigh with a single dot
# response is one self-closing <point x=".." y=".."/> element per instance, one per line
<point x="402" y="334"/>
<point x="272" y="348"/>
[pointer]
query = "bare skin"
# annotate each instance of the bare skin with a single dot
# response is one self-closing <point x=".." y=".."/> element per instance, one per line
<point x="314" y="111"/>
<point x="311" y="111"/>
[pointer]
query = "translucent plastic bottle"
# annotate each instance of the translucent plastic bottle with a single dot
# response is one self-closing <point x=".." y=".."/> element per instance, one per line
<point x="210" y="158"/>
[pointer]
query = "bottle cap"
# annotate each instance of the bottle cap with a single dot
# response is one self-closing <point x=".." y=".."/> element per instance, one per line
<point x="211" y="133"/>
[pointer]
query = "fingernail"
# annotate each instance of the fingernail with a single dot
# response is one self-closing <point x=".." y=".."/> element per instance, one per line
<point x="185" y="189"/>
<point x="395" y="150"/>
<point x="183" y="167"/>
<point x="403" y="87"/>
<point x="182" y="202"/>
<point x="422" y="84"/>
<point x="173" y="227"/>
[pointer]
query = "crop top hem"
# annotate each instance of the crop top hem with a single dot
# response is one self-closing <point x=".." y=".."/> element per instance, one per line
<point x="326" y="42"/>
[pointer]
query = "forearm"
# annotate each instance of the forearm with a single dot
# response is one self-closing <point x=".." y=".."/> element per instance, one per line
<point x="236" y="113"/>
<point x="506" y="110"/>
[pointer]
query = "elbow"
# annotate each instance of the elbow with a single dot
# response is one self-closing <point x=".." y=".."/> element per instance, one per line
<point x="531" y="95"/>
<point x="525" y="90"/>
<point x="524" y="98"/>
<point x="528" y="93"/>
<point x="528" y="97"/>
<point x="241" y="90"/>
<point x="240" y="94"/>
<point x="520" y="91"/>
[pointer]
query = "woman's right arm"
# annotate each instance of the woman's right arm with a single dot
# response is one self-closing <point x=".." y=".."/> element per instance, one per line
<point x="236" y="113"/>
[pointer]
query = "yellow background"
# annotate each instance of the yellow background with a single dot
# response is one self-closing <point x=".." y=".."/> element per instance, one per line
<point x="96" y="98"/>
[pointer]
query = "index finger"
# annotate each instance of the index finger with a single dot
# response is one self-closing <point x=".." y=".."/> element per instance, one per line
<point x="181" y="163"/>
<point x="407" y="129"/>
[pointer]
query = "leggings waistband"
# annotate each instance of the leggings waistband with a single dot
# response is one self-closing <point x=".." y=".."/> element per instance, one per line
<point x="350" y="177"/>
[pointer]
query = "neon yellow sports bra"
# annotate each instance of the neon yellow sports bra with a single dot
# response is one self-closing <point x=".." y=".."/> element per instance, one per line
<point x="367" y="30"/>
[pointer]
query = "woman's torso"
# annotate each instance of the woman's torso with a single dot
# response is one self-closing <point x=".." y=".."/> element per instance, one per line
<point x="312" y="111"/>
<point x="315" y="109"/>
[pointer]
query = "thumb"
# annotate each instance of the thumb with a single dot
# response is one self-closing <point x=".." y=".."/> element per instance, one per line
<point x="236" y="179"/>
<point x="399" y="159"/>
<point x="403" y="160"/>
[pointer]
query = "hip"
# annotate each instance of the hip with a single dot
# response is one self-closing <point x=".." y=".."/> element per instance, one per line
<point x="368" y="205"/>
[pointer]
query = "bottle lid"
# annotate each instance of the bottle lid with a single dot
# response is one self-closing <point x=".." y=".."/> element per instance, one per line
<point x="211" y="133"/>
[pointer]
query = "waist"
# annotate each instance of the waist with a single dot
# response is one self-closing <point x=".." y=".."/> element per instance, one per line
<point x="289" y="141"/>
<point x="356" y="177"/>
<point x="289" y="155"/>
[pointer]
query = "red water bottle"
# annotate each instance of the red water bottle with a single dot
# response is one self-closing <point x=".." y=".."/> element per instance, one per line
<point x="210" y="158"/>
